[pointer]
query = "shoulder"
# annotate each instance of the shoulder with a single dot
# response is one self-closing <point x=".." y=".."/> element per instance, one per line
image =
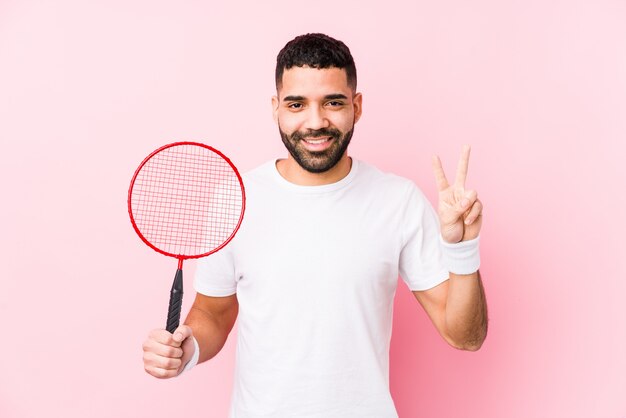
<point x="386" y="183"/>
<point x="259" y="172"/>
<point x="259" y="176"/>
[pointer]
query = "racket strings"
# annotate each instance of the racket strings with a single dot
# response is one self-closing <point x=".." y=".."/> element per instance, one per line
<point x="187" y="200"/>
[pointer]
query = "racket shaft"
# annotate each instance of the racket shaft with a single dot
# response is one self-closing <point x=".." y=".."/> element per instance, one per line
<point x="176" y="301"/>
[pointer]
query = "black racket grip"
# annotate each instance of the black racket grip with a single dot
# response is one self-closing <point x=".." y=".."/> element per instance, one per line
<point x="176" y="302"/>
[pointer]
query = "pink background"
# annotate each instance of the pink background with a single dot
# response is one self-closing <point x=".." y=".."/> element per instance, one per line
<point x="87" y="89"/>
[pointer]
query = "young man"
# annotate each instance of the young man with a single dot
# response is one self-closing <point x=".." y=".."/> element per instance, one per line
<point x="313" y="270"/>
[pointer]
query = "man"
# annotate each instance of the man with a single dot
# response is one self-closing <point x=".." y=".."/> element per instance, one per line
<point x="312" y="273"/>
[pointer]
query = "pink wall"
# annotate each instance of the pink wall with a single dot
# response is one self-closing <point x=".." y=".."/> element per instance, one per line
<point x="538" y="88"/>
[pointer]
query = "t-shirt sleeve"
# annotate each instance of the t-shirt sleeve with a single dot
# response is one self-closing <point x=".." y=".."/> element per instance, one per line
<point x="215" y="274"/>
<point x="421" y="265"/>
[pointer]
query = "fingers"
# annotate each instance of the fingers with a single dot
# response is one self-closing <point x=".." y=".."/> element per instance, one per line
<point x="466" y="201"/>
<point x="457" y="210"/>
<point x="440" y="176"/>
<point x="161" y="336"/>
<point x="162" y="352"/>
<point x="475" y="211"/>
<point x="182" y="333"/>
<point x="161" y="367"/>
<point x="461" y="170"/>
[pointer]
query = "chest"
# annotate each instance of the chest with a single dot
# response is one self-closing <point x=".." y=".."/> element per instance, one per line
<point x="319" y="244"/>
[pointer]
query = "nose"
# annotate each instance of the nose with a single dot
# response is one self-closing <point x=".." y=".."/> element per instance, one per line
<point x="316" y="118"/>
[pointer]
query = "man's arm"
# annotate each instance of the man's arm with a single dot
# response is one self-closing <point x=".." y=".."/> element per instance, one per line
<point x="458" y="309"/>
<point x="210" y="320"/>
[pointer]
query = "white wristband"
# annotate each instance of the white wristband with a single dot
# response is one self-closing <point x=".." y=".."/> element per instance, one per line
<point x="462" y="257"/>
<point x="194" y="358"/>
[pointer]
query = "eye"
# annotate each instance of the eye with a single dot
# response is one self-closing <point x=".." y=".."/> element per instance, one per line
<point x="295" y="106"/>
<point x="335" y="103"/>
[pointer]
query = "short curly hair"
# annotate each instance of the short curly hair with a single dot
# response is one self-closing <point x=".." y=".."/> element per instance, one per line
<point x="315" y="50"/>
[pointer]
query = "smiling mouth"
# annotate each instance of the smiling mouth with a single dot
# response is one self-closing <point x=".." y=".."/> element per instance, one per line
<point x="316" y="141"/>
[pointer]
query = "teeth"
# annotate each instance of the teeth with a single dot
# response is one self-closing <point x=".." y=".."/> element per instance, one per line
<point x="318" y="141"/>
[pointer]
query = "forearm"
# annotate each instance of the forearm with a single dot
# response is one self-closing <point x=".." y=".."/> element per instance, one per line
<point x="466" y="311"/>
<point x="210" y="329"/>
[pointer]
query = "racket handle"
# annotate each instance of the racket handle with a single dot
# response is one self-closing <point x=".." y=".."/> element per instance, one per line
<point x="176" y="302"/>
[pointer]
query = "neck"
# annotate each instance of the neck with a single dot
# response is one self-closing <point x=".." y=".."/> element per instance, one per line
<point x="293" y="173"/>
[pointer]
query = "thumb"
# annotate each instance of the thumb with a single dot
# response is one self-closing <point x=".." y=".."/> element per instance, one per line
<point x="182" y="333"/>
<point x="466" y="200"/>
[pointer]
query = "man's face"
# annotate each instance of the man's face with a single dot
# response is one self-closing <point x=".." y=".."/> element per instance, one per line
<point x="316" y="111"/>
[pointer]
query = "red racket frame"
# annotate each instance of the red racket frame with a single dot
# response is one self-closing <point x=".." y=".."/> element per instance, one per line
<point x="182" y="257"/>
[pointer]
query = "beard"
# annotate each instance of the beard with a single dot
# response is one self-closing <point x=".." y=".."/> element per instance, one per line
<point x="322" y="161"/>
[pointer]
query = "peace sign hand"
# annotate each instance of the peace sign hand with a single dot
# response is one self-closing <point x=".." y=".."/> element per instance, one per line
<point x="459" y="209"/>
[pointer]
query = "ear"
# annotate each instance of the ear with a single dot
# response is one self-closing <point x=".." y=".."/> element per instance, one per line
<point x="357" y="103"/>
<point x="275" y="103"/>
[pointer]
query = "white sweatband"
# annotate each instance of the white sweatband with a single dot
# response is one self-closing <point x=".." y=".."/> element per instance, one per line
<point x="462" y="257"/>
<point x="194" y="358"/>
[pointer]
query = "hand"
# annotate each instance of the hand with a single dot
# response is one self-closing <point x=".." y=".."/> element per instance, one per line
<point x="460" y="211"/>
<point x="164" y="354"/>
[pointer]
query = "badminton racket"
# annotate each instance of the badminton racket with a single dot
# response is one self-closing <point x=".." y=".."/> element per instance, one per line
<point x="186" y="200"/>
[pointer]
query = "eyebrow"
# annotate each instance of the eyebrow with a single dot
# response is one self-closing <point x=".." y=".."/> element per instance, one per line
<point x="293" y="98"/>
<point x="327" y="97"/>
<point x="335" y="96"/>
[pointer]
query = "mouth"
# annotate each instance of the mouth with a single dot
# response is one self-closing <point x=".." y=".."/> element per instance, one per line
<point x="317" y="144"/>
<point x="316" y="141"/>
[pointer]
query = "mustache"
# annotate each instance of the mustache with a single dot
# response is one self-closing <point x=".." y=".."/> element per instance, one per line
<point x="317" y="133"/>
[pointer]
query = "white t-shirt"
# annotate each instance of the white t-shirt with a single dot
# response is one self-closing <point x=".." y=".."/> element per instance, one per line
<point x="315" y="269"/>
